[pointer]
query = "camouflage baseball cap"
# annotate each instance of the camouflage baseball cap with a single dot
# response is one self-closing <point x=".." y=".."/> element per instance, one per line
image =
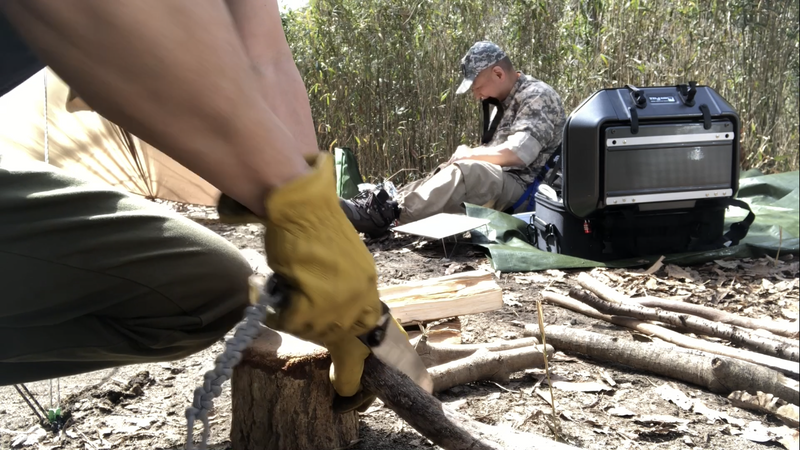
<point x="480" y="56"/>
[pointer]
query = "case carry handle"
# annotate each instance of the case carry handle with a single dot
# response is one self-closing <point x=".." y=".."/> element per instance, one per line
<point x="687" y="93"/>
<point x="638" y="97"/>
<point x="547" y="231"/>
<point x="706" y="116"/>
<point x="634" y="120"/>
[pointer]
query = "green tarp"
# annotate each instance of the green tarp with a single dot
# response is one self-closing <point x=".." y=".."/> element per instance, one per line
<point x="773" y="198"/>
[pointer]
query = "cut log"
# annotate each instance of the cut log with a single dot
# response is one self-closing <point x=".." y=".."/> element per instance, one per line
<point x="433" y="354"/>
<point x="780" y="328"/>
<point x="697" y="325"/>
<point x="442" y="297"/>
<point x="782" y="365"/>
<point x="488" y="365"/>
<point x="440" y="423"/>
<point x="697" y="368"/>
<point x="282" y="398"/>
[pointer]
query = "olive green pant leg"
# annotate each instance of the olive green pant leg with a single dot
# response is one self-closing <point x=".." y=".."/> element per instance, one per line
<point x="95" y="278"/>
<point x="447" y="189"/>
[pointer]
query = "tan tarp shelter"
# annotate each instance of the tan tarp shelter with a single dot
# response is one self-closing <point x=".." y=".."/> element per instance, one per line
<point x="84" y="143"/>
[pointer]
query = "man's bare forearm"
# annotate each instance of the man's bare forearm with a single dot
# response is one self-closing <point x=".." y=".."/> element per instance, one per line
<point x="495" y="155"/>
<point x="259" y="25"/>
<point x="174" y="73"/>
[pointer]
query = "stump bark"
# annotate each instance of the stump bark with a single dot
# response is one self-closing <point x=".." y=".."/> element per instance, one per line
<point x="282" y="398"/>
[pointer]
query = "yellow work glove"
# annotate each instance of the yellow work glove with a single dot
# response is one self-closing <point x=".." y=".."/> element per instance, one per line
<point x="331" y="274"/>
<point x="352" y="353"/>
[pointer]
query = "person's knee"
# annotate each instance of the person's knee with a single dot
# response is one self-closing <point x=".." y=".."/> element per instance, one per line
<point x="483" y="182"/>
<point x="224" y="272"/>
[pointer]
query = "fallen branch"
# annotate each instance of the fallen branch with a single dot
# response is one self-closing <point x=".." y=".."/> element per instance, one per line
<point x="766" y="403"/>
<point x="784" y="329"/>
<point x="739" y="336"/>
<point x="487" y="365"/>
<point x="741" y="377"/>
<point x="441" y="424"/>
<point x="679" y="339"/>
<point x="601" y="290"/>
<point x="697" y="368"/>
<point x="433" y="354"/>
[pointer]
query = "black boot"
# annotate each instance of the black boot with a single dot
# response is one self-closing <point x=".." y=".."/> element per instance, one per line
<point x="371" y="212"/>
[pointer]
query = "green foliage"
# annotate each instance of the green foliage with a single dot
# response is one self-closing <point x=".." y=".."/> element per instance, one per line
<point x="382" y="74"/>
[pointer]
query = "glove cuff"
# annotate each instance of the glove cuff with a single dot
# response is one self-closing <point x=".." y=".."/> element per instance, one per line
<point x="303" y="198"/>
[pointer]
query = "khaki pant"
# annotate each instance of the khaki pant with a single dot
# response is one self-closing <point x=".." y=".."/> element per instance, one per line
<point x="94" y="278"/>
<point x="446" y="190"/>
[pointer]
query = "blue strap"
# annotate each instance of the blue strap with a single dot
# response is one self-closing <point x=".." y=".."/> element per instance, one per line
<point x="529" y="194"/>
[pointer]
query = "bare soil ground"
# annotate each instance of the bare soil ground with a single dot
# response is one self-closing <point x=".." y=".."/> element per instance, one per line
<point x="142" y="407"/>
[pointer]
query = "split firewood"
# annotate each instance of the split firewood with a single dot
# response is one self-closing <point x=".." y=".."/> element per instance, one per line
<point x="442" y="297"/>
<point x="779" y="328"/>
<point x="679" y="339"/>
<point x="767" y="403"/>
<point x="739" y="336"/>
<point x="441" y="424"/>
<point x="433" y="354"/>
<point x="691" y="366"/>
<point x="488" y="365"/>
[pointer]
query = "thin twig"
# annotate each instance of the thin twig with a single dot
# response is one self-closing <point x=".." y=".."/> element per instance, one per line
<point x="780" y="244"/>
<point x="547" y="369"/>
<point x="504" y="388"/>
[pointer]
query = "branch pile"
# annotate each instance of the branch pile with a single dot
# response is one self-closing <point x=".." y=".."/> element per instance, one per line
<point x="697" y="346"/>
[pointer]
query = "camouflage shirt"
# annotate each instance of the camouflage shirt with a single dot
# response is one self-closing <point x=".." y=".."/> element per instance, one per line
<point x="532" y="125"/>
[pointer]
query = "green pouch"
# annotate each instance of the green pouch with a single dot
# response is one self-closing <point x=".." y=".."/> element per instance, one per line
<point x="348" y="176"/>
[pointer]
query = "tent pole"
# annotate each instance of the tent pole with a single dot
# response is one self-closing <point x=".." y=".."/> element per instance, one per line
<point x="46" y="143"/>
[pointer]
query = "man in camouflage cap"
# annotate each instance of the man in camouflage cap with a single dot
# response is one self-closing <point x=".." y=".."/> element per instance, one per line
<point x="527" y="124"/>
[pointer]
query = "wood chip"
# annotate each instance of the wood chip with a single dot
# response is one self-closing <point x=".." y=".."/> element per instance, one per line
<point x="727" y="264"/>
<point x="608" y="378"/>
<point x="756" y="431"/>
<point x="671" y="394"/>
<point x="712" y="415"/>
<point x="588" y="386"/>
<point x="678" y="273"/>
<point x="656" y="265"/>
<point x="621" y="412"/>
<point x="661" y="419"/>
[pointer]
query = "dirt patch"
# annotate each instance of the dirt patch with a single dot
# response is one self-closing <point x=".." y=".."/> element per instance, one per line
<point x="142" y="407"/>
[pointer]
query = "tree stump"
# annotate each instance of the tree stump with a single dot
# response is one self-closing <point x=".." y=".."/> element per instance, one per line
<point x="282" y="398"/>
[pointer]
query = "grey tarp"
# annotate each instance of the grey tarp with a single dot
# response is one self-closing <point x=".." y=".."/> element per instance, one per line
<point x="773" y="198"/>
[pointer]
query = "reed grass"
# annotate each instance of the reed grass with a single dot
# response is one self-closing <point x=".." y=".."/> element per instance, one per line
<point x="381" y="74"/>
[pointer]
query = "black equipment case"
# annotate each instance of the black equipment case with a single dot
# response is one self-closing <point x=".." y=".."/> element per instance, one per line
<point x="645" y="171"/>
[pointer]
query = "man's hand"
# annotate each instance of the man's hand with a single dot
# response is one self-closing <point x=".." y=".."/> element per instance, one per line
<point x="310" y="242"/>
<point x="462" y="152"/>
<point x="331" y="274"/>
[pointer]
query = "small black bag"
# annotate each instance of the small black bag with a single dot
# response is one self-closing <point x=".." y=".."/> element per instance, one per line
<point x="645" y="171"/>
